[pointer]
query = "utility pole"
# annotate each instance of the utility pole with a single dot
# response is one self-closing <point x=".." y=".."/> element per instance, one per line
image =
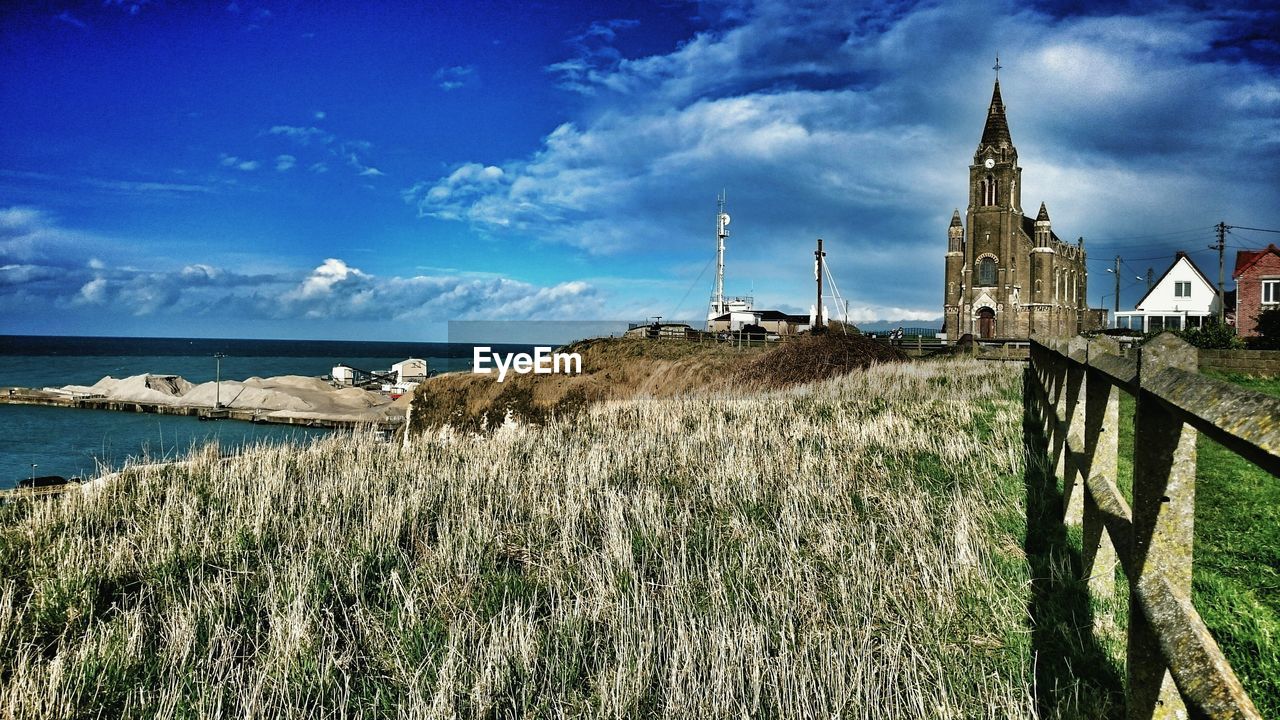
<point x="817" y="271"/>
<point x="1117" y="274"/>
<point x="217" y="388"/>
<point x="1221" y="248"/>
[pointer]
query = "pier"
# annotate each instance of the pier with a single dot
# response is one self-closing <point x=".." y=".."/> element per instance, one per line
<point x="30" y="396"/>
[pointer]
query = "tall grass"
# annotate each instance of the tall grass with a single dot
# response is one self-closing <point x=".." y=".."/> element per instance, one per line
<point x="847" y="549"/>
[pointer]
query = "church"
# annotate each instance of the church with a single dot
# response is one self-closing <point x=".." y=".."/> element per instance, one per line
<point x="1009" y="276"/>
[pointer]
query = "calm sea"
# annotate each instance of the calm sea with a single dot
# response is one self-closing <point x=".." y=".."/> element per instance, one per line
<point x="74" y="443"/>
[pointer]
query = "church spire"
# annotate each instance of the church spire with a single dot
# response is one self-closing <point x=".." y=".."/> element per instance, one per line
<point x="996" y="131"/>
<point x="955" y="218"/>
<point x="1044" y="213"/>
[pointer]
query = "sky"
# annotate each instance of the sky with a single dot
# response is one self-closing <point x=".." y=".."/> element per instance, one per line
<point x="371" y="171"/>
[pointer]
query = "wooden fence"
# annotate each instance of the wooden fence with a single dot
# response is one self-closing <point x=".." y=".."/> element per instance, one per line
<point x="1173" y="663"/>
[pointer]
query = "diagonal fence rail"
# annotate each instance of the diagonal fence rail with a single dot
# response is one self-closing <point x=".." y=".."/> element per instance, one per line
<point x="1173" y="663"/>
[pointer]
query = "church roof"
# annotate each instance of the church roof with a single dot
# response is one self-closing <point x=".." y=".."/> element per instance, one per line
<point x="1029" y="229"/>
<point x="955" y="219"/>
<point x="996" y="131"/>
<point x="1044" y="213"/>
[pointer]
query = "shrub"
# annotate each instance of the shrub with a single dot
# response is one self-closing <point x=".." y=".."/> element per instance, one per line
<point x="1269" y="328"/>
<point x="1212" y="336"/>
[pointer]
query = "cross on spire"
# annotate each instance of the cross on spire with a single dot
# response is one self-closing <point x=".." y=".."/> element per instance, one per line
<point x="997" y="68"/>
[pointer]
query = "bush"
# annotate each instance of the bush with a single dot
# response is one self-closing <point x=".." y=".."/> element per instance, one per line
<point x="1269" y="328"/>
<point x="1212" y="337"/>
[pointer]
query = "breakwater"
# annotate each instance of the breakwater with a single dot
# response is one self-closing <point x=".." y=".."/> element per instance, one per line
<point x="31" y="396"/>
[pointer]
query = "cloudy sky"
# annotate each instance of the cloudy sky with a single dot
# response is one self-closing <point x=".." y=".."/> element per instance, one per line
<point x="373" y="170"/>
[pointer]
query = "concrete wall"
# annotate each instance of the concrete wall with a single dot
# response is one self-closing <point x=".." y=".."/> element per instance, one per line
<point x="1249" y="362"/>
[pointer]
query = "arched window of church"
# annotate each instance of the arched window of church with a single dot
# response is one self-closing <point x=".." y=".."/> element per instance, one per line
<point x="989" y="191"/>
<point x="987" y="271"/>
<point x="994" y="187"/>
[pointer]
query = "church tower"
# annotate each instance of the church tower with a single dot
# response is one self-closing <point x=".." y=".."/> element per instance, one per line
<point x="1006" y="274"/>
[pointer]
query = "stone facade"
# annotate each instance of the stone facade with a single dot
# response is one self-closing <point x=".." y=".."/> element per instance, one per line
<point x="1253" y="267"/>
<point x="1007" y="275"/>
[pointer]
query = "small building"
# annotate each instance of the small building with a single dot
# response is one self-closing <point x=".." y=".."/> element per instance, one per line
<point x="1182" y="298"/>
<point x="661" y="331"/>
<point x="1257" y="277"/>
<point x="413" y="370"/>
<point x="773" y="322"/>
<point x="343" y="374"/>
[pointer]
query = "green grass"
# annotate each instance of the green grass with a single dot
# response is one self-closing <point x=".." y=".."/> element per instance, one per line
<point x="839" y="550"/>
<point x="1236" y="570"/>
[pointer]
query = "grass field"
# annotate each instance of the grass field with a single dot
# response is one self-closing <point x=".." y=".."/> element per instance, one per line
<point x="854" y="548"/>
<point x="1236" y="570"/>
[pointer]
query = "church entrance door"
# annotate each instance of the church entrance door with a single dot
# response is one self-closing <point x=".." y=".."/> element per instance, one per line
<point x="986" y="323"/>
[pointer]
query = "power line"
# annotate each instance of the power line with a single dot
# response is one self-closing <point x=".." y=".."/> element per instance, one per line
<point x="1152" y="235"/>
<point x="1241" y="227"/>
<point x="679" y="306"/>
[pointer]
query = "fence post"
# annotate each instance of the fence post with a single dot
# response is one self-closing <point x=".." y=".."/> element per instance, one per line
<point x="1102" y="435"/>
<point x="1074" y="447"/>
<point x="1058" y="430"/>
<point x="1164" y="477"/>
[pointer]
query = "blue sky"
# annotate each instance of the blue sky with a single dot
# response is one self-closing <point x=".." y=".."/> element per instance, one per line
<point x="371" y="171"/>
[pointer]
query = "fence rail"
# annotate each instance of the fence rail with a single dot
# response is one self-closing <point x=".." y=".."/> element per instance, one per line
<point x="1173" y="663"/>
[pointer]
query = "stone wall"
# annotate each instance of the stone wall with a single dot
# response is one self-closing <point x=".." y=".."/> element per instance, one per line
<point x="1249" y="362"/>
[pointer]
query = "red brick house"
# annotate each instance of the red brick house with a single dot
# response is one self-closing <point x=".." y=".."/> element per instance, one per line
<point x="1257" y="277"/>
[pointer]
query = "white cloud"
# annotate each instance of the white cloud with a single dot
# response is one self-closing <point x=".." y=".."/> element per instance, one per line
<point x="66" y="17"/>
<point x="285" y="162"/>
<point x="452" y="78"/>
<point x="319" y="114"/>
<point x="319" y="168"/>
<point x="302" y="135"/>
<point x="75" y="282"/>
<point x="232" y="161"/>
<point x="857" y="123"/>
<point x="322" y="280"/>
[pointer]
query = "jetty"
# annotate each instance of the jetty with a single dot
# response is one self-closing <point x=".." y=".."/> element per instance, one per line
<point x="303" y="407"/>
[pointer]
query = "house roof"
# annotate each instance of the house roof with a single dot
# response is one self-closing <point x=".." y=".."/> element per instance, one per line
<point x="1179" y="256"/>
<point x="1246" y="259"/>
<point x="996" y="131"/>
<point x="768" y="315"/>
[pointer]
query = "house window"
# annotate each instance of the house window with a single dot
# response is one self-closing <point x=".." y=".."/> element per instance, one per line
<point x="1155" y="323"/>
<point x="1270" y="292"/>
<point x="1182" y="289"/>
<point x="987" y="271"/>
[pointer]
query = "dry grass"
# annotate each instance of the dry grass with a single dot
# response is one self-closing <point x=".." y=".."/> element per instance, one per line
<point x="847" y="549"/>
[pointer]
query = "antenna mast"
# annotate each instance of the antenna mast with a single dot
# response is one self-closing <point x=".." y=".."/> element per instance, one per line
<point x="722" y="232"/>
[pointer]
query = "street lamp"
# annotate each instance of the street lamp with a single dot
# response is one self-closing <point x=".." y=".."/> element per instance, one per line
<point x="217" y="384"/>
<point x="1116" y="272"/>
<point x="33" y="473"/>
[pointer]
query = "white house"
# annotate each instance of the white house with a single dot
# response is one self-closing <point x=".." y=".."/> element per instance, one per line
<point x="411" y="370"/>
<point x="1182" y="298"/>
